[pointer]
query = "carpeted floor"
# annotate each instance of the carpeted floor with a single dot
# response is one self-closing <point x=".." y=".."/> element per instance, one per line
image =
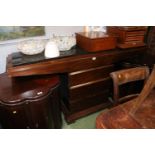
<point x="87" y="122"/>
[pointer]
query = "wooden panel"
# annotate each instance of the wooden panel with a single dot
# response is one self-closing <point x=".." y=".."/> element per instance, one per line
<point x="134" y="38"/>
<point x="41" y="113"/>
<point x="97" y="61"/>
<point x="135" y="33"/>
<point x="131" y="44"/>
<point x="90" y="101"/>
<point x="84" y="76"/>
<point x="120" y="34"/>
<point x="129" y="36"/>
<point x="72" y="116"/>
<point x="15" y="117"/>
<point x="88" y="89"/>
<point x="92" y="62"/>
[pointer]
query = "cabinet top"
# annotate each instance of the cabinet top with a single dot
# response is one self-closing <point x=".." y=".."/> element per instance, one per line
<point x="15" y="91"/>
<point x="130" y="28"/>
<point x="19" y="59"/>
<point x="22" y="65"/>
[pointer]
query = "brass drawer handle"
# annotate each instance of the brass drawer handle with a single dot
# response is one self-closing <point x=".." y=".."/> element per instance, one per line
<point x="119" y="76"/>
<point x="93" y="58"/>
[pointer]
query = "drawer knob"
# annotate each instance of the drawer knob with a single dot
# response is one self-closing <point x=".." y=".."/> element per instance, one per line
<point x="119" y="76"/>
<point x="93" y="58"/>
<point x="14" y="112"/>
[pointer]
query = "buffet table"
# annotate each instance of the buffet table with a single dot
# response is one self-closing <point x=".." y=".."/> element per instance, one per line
<point x="85" y="81"/>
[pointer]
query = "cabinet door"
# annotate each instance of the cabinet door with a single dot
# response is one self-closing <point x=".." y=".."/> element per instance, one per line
<point x="15" y="117"/>
<point x="41" y="113"/>
<point x="45" y="111"/>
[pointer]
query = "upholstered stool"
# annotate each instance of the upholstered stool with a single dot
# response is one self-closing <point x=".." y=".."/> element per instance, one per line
<point x="30" y="102"/>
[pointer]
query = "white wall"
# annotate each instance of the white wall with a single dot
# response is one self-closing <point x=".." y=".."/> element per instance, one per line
<point x="62" y="30"/>
<point x="8" y="48"/>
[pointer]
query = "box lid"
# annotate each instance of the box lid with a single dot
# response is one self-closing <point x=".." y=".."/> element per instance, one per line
<point x="95" y="35"/>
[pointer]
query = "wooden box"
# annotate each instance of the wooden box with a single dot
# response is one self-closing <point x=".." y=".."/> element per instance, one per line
<point x="95" y="41"/>
<point x="128" y="36"/>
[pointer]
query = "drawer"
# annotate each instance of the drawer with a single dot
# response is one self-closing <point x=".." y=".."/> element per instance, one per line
<point x="96" y="61"/>
<point x="15" y="117"/>
<point x="89" y="89"/>
<point x="135" y="33"/>
<point x="134" y="38"/>
<point x="90" y="101"/>
<point x="85" y="76"/>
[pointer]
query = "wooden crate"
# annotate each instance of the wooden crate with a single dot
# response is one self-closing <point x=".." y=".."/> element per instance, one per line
<point x="128" y="36"/>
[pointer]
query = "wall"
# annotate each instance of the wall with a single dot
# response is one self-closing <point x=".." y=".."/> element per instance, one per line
<point x="8" y="48"/>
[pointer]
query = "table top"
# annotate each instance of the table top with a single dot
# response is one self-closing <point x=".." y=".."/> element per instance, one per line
<point x="21" y="59"/>
<point x="23" y="65"/>
<point x="15" y="91"/>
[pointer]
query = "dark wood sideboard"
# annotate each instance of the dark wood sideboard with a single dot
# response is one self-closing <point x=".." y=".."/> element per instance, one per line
<point x="85" y="80"/>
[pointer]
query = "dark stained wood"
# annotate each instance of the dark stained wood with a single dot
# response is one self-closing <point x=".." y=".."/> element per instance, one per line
<point x="85" y="80"/>
<point x="130" y="45"/>
<point x="88" y="89"/>
<point x="15" y="117"/>
<point x="28" y="102"/>
<point x="128" y="36"/>
<point x="73" y="63"/>
<point x="136" y="113"/>
<point x="85" y="96"/>
<point x="89" y="101"/>
<point x="85" y="76"/>
<point x="149" y="57"/>
<point x="125" y="76"/>
<point x="14" y="90"/>
<point x="72" y="116"/>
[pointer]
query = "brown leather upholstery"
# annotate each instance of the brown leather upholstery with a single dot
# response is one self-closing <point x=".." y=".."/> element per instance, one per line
<point x="136" y="113"/>
<point x="119" y="117"/>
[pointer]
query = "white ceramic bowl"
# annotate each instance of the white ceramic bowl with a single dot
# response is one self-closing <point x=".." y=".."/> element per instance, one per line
<point x="64" y="43"/>
<point x="31" y="47"/>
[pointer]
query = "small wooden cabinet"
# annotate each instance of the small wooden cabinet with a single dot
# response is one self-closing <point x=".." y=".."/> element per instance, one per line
<point x="30" y="102"/>
<point x="128" y="36"/>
